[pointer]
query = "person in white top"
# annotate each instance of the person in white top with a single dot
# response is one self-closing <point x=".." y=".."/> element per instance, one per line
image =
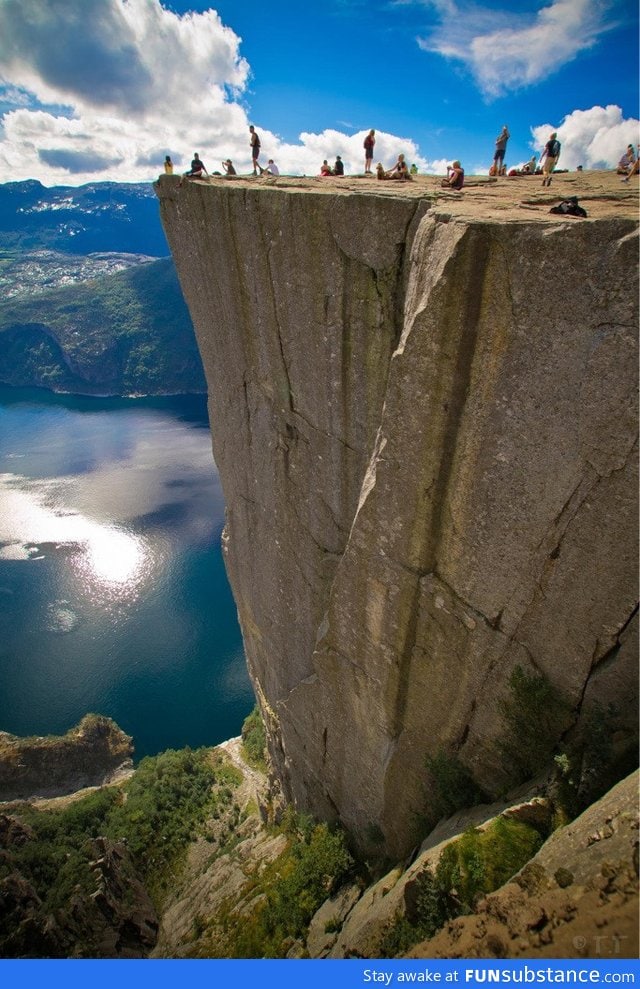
<point x="270" y="169"/>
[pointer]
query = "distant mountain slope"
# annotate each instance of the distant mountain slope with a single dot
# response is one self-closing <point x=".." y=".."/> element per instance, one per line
<point x="84" y="308"/>
<point x="120" y="334"/>
<point x="27" y="273"/>
<point x="102" y="216"/>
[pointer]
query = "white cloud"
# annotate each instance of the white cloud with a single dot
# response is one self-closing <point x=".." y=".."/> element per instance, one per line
<point x="133" y="81"/>
<point x="120" y="55"/>
<point x="594" y="138"/>
<point x="129" y="81"/>
<point x="507" y="50"/>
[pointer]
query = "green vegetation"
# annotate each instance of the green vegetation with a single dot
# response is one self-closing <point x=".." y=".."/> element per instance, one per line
<point x="481" y="861"/>
<point x="453" y="786"/>
<point x="57" y="861"/>
<point x="284" y="896"/>
<point x="534" y="716"/>
<point x="167" y="800"/>
<point x="469" y="868"/>
<point x="123" y="333"/>
<point x="156" y="813"/>
<point x="594" y="759"/>
<point x="425" y="916"/>
<point x="254" y="740"/>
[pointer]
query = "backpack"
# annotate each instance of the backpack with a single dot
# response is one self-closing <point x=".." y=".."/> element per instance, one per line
<point x="569" y="207"/>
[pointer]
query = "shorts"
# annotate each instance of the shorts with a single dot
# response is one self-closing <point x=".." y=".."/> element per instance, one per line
<point x="255" y="152"/>
<point x="499" y="155"/>
<point x="548" y="165"/>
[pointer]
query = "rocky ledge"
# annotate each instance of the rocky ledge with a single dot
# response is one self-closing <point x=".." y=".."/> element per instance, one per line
<point x="52" y="766"/>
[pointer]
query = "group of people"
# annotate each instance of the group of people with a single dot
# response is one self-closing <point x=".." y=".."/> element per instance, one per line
<point x="326" y="169"/>
<point x="628" y="165"/>
<point x="548" y="158"/>
<point x="198" y="168"/>
<point x="254" y="142"/>
<point x="399" y="171"/>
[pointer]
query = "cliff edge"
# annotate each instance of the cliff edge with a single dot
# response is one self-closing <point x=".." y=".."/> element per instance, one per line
<point x="423" y="411"/>
<point x="89" y="755"/>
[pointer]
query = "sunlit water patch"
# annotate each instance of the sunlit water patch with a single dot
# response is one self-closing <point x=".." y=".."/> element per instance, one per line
<point x="113" y="596"/>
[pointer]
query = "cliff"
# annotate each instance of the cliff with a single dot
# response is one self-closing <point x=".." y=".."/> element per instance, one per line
<point x="52" y="765"/>
<point x="423" y="414"/>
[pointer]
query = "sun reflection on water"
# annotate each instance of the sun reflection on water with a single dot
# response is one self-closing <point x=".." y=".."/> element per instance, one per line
<point x="110" y="562"/>
<point x="114" y="556"/>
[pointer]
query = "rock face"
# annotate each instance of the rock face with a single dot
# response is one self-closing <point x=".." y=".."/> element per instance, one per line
<point x="424" y="421"/>
<point x="50" y="766"/>
<point x="577" y="897"/>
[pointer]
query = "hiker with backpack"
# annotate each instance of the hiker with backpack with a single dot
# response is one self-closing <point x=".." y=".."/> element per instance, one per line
<point x="550" y="157"/>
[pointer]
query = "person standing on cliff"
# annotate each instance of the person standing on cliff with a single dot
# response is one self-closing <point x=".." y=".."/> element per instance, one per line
<point x="369" y="143"/>
<point x="254" y="141"/>
<point x="168" y="166"/>
<point x="501" y="147"/>
<point x="550" y="156"/>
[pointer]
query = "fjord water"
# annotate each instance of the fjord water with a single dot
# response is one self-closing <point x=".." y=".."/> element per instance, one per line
<point x="113" y="594"/>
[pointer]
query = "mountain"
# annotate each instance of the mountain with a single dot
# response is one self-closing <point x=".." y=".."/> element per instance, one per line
<point x="127" y="333"/>
<point x="101" y="216"/>
<point x="91" y="303"/>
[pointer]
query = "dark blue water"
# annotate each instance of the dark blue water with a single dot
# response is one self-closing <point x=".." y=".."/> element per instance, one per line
<point x="113" y="594"/>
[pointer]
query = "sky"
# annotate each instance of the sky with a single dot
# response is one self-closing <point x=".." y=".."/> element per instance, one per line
<point x="95" y="90"/>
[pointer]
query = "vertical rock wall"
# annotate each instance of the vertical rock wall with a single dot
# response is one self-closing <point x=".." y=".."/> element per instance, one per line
<point x="427" y="436"/>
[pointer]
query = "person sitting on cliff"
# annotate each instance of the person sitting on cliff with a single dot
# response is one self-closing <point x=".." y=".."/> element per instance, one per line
<point x="627" y="161"/>
<point x="400" y="170"/>
<point x="270" y="169"/>
<point x="325" y="169"/>
<point x="168" y="166"/>
<point x="635" y="168"/>
<point x="197" y="169"/>
<point x="228" y="167"/>
<point x="455" y="176"/>
<point x="414" y="169"/>
<point x="338" y="168"/>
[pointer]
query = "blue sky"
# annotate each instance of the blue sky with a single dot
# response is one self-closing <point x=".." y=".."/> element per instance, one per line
<point x="130" y="80"/>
